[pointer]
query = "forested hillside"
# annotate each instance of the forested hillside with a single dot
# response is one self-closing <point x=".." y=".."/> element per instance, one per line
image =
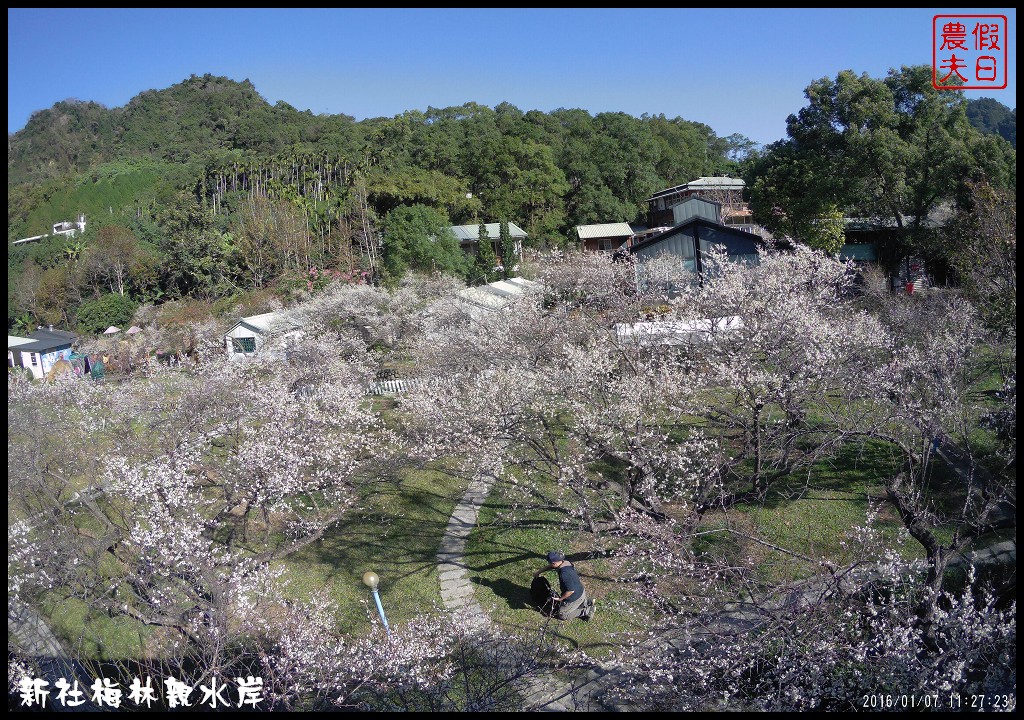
<point x="991" y="116"/>
<point x="561" y="168"/>
<point x="175" y="124"/>
<point x="213" y="192"/>
<point x="219" y="192"/>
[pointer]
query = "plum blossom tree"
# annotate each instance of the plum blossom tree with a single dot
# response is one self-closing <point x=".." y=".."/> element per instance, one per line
<point x="209" y="474"/>
<point x="926" y="411"/>
<point x="542" y="386"/>
<point x="905" y="380"/>
<point x="238" y="470"/>
<point x="754" y="359"/>
<point x="846" y="651"/>
<point x="363" y="317"/>
<point x="776" y="376"/>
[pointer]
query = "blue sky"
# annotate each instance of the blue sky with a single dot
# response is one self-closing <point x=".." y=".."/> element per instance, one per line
<point x="739" y="71"/>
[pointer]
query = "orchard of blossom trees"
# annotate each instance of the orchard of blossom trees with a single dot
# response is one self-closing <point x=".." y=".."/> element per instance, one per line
<point x="172" y="498"/>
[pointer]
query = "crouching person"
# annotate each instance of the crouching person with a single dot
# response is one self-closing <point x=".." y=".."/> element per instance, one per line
<point x="572" y="601"/>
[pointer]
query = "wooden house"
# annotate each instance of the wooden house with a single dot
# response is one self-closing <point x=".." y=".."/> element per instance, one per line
<point x="697" y="231"/>
<point x="604" y="237"/>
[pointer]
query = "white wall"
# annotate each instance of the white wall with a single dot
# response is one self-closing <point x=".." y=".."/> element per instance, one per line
<point x="37" y="369"/>
<point x="278" y="349"/>
<point x="240" y="332"/>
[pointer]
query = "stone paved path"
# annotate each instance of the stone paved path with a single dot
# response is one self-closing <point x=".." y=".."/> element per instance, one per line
<point x="544" y="693"/>
<point x="29" y="634"/>
<point x="456" y="589"/>
<point x="32" y="637"/>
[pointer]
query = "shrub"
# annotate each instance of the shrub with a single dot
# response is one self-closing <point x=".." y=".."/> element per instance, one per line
<point x="110" y="309"/>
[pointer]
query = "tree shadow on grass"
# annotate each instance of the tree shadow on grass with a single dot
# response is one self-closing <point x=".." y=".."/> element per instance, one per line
<point x="406" y="543"/>
<point x="854" y="470"/>
<point x="517" y="596"/>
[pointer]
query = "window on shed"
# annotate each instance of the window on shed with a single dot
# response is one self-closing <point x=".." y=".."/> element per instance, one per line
<point x="244" y="345"/>
<point x="34" y="359"/>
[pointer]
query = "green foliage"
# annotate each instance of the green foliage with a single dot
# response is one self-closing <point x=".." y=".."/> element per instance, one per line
<point x="893" y="149"/>
<point x="116" y="192"/>
<point x="111" y="309"/>
<point x="991" y="116"/>
<point x="983" y="253"/>
<point x="419" y="237"/>
<point x="69" y="136"/>
<point x="182" y="122"/>
<point x="486" y="260"/>
<point x="197" y="256"/>
<point x="48" y="252"/>
<point x="509" y="256"/>
<point x="115" y="259"/>
<point x="827" y="232"/>
<point x="415" y="186"/>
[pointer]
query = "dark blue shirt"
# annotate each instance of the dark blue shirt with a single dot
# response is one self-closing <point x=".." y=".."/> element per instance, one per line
<point x="569" y="579"/>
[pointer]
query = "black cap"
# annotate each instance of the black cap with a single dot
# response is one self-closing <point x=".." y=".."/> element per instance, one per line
<point x="555" y="556"/>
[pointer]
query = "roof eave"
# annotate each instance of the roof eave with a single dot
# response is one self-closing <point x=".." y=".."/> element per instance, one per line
<point x="696" y="220"/>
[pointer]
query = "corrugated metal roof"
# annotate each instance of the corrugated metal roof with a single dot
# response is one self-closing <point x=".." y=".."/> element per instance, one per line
<point x="717" y="182"/>
<point x="471" y="233"/>
<point x="668" y="191"/>
<point x="603" y="230"/>
<point x="697" y="206"/>
<point x="729" y="229"/>
<point x="524" y="283"/>
<point x="702" y="183"/>
<point x="14" y="340"/>
<point x="496" y="295"/>
<point x="59" y="335"/>
<point x="266" y="321"/>
<point x="42" y="346"/>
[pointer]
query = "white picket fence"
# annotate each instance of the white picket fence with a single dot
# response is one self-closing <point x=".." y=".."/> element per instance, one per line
<point x="393" y="387"/>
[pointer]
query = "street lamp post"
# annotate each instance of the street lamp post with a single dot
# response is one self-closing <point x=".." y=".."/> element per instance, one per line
<point x="371" y="580"/>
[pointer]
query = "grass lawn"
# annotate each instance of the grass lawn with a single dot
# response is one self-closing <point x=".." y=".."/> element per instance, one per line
<point x="811" y="515"/>
<point x="396" y="532"/>
<point x="502" y="557"/>
<point x="86" y="633"/>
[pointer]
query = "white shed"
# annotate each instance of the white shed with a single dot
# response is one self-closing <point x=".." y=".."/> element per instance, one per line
<point x="270" y="332"/>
